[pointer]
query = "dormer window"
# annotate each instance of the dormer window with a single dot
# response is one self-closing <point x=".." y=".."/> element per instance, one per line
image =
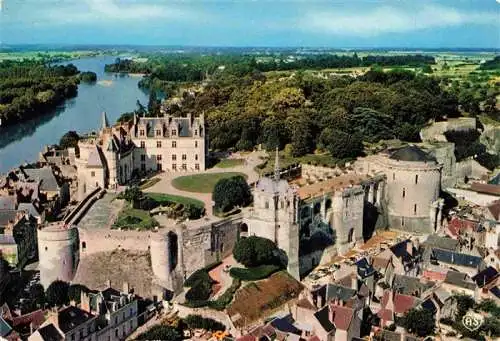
<point x="174" y="132"/>
<point x="141" y="132"/>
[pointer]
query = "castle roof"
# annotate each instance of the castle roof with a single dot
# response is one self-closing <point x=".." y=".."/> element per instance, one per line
<point x="95" y="159"/>
<point x="45" y="176"/>
<point x="411" y="153"/>
<point x="271" y="186"/>
<point x="331" y="185"/>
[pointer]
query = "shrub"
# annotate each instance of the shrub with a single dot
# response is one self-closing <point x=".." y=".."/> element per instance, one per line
<point x="201" y="274"/>
<point x="254" y="251"/>
<point x="198" y="321"/>
<point x="231" y="192"/>
<point x="225" y="299"/>
<point x="254" y="274"/>
<point x="57" y="293"/>
<point x="160" y="332"/>
<point x="200" y="291"/>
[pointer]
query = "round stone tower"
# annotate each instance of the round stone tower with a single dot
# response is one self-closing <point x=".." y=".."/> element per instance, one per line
<point x="166" y="261"/>
<point x="412" y="191"/>
<point x="58" y="250"/>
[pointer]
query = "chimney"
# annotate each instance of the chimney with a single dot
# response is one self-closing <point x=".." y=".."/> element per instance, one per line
<point x="108" y="283"/>
<point x="331" y="313"/>
<point x="354" y="281"/>
<point x="390" y="301"/>
<point x="85" y="302"/>
<point x="319" y="301"/>
<point x="126" y="288"/>
<point x="409" y="247"/>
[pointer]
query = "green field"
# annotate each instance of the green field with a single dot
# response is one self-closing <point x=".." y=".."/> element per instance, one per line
<point x="164" y="199"/>
<point x="134" y="219"/>
<point x="201" y="183"/>
<point x="230" y="163"/>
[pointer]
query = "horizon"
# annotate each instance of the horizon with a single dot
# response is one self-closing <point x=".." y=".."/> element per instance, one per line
<point x="358" y="24"/>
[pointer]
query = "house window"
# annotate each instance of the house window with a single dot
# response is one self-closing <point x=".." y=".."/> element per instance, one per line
<point x="174" y="157"/>
<point x="174" y="144"/>
<point x="130" y="314"/>
<point x="267" y="204"/>
<point x="158" y="132"/>
<point x="393" y="176"/>
<point x="197" y="166"/>
<point x="158" y="144"/>
<point x="404" y="192"/>
<point x="402" y="221"/>
<point x="282" y="204"/>
<point x="184" y="156"/>
<point x="196" y="157"/>
<point x="143" y="167"/>
<point x="196" y="132"/>
<point x="143" y="157"/>
<point x="72" y="337"/>
<point x="81" y="333"/>
<point x="174" y="166"/>
<point x="415" y="209"/>
<point x="158" y="167"/>
<point x="141" y="132"/>
<point x="116" y="332"/>
<point x="174" y="132"/>
<point x="158" y="157"/>
<point x="92" y="174"/>
<point x="196" y="144"/>
<point x="416" y="179"/>
<point x="346" y="202"/>
<point x="184" y="167"/>
<point x="143" y="144"/>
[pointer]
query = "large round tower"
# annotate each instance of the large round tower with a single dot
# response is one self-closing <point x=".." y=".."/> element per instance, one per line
<point x="166" y="261"/>
<point x="58" y="250"/>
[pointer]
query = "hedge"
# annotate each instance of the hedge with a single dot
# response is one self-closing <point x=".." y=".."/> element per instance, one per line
<point x="219" y="304"/>
<point x="201" y="274"/>
<point x="198" y="321"/>
<point x="254" y="274"/>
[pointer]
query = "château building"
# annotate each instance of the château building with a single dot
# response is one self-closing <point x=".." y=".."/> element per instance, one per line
<point x="116" y="153"/>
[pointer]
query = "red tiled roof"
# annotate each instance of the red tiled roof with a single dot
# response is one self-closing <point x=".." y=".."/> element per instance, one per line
<point x="342" y="316"/>
<point x="246" y="338"/>
<point x="314" y="338"/>
<point x="434" y="275"/>
<point x="485" y="188"/>
<point x="458" y="225"/>
<point x="36" y="317"/>
<point x="385" y="314"/>
<point x="402" y="303"/>
<point x="380" y="263"/>
<point x="306" y="304"/>
<point x="494" y="209"/>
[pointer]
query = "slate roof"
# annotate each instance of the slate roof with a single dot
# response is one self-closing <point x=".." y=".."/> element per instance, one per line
<point x="45" y="176"/>
<point x="495" y="291"/>
<point x="495" y="180"/>
<point x="29" y="208"/>
<point x="428" y="304"/>
<point x="411" y="153"/>
<point x="456" y="258"/>
<point x="409" y="285"/>
<point x="268" y="185"/>
<point x="7" y="203"/>
<point x="485" y="277"/>
<point x="71" y="317"/>
<point x="5" y="328"/>
<point x="338" y="292"/>
<point x="400" y="250"/>
<point x="365" y="269"/>
<point x="459" y="279"/>
<point x="444" y="243"/>
<point x="50" y="333"/>
<point x="284" y="325"/>
<point x="7" y="216"/>
<point x="323" y="319"/>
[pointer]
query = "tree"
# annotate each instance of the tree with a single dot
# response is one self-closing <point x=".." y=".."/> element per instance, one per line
<point x="427" y="69"/>
<point x="231" y="192"/>
<point x="88" y="77"/>
<point x="37" y="295"/>
<point x="132" y="194"/>
<point x="57" y="293"/>
<point x="198" y="321"/>
<point x="69" y="140"/>
<point x="254" y="251"/>
<point x="153" y="104"/>
<point x="160" y="332"/>
<point x="420" y="322"/>
<point x="340" y="144"/>
<point x="75" y="292"/>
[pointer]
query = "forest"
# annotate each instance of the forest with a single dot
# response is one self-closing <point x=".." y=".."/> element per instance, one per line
<point x="31" y="88"/>
<point x="196" y="68"/>
<point x="304" y="112"/>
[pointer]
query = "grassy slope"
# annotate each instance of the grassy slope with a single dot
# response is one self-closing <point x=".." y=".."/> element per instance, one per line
<point x="163" y="198"/>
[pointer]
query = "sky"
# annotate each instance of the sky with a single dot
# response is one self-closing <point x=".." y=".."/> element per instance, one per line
<point x="276" y="23"/>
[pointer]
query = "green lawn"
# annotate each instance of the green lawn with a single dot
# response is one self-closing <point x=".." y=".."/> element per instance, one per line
<point x="229" y="163"/>
<point x="201" y="183"/>
<point x="164" y="199"/>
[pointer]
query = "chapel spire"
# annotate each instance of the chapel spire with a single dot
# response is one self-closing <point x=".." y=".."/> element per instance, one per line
<point x="104" y="119"/>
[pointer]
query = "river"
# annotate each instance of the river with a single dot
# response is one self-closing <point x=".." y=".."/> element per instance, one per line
<point x="112" y="94"/>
